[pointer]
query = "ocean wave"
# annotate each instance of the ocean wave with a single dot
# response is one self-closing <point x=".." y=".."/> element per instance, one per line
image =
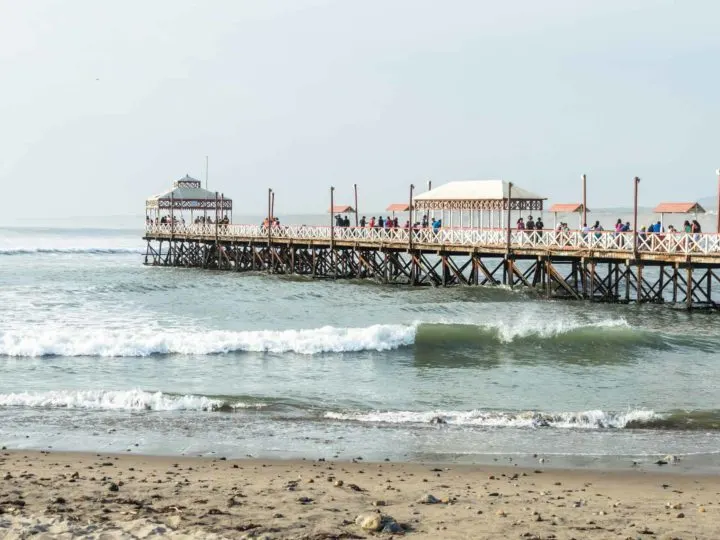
<point x="70" y="250"/>
<point x="142" y="342"/>
<point x="130" y="400"/>
<point x="428" y="337"/>
<point x="594" y="419"/>
<point x="538" y="329"/>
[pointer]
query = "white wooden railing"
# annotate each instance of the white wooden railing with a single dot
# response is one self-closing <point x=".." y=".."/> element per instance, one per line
<point x="665" y="243"/>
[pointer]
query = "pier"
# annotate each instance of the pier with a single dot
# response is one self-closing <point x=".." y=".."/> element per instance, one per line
<point x="679" y="268"/>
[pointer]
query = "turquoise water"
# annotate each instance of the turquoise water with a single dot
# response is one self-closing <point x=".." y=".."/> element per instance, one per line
<point x="98" y="352"/>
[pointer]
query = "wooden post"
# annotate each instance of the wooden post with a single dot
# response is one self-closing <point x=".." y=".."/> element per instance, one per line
<point x="509" y="202"/>
<point x="689" y="288"/>
<point x="635" y="218"/>
<point x="412" y="225"/>
<point x="269" y="226"/>
<point x="584" y="200"/>
<point x="356" y="204"/>
<point x="332" y="217"/>
<point x="272" y="206"/>
<point x="717" y="172"/>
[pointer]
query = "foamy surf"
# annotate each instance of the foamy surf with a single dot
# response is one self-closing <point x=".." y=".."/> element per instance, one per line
<point x="70" y="250"/>
<point x="128" y="400"/>
<point x="141" y="342"/>
<point x="593" y="419"/>
<point x="521" y="328"/>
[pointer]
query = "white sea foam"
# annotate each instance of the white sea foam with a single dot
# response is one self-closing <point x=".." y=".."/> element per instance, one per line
<point x="549" y="328"/>
<point x="537" y="326"/>
<point x="69" y="250"/>
<point x="593" y="419"/>
<point x="117" y="400"/>
<point x="67" y="341"/>
<point x="143" y="342"/>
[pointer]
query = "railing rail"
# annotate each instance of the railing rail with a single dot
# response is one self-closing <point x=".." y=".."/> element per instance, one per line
<point x="610" y="241"/>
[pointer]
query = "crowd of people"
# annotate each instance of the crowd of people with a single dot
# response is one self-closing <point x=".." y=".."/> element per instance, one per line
<point x="389" y="222"/>
<point x="175" y="220"/>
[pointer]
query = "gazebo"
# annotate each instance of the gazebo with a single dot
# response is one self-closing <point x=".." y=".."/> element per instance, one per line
<point x="568" y="208"/>
<point x="677" y="208"/>
<point x="477" y="199"/>
<point x="398" y="207"/>
<point x="188" y="194"/>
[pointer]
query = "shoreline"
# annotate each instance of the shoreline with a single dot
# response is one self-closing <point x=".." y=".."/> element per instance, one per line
<point x="134" y="496"/>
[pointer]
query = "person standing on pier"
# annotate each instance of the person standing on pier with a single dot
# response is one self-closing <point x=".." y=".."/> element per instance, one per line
<point x="539" y="225"/>
<point x="530" y="224"/>
<point x="363" y="221"/>
<point x="520" y="224"/>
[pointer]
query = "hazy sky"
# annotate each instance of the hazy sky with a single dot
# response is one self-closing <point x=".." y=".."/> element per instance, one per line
<point x="103" y="103"/>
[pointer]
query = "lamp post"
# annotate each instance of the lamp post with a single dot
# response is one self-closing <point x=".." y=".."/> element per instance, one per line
<point x="636" y="183"/>
<point x="584" y="200"/>
<point x="717" y="172"/>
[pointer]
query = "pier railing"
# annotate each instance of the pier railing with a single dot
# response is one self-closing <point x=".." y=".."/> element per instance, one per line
<point x="662" y="243"/>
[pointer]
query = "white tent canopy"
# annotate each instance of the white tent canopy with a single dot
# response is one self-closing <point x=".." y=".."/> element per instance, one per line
<point x="478" y="195"/>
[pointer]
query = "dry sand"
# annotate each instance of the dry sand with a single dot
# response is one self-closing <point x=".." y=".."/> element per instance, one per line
<point x="82" y="495"/>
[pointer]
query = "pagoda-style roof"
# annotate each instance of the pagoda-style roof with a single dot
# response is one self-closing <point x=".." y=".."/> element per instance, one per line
<point x="567" y="208"/>
<point x="398" y="207"/>
<point x="679" y="208"/>
<point x="188" y="194"/>
<point x="478" y="195"/>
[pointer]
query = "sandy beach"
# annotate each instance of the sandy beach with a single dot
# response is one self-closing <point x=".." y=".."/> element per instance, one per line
<point x="73" y="495"/>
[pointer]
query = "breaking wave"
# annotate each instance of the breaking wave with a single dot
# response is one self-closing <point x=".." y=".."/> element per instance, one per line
<point x="70" y="250"/>
<point x="131" y="400"/>
<point x="427" y="337"/>
<point x="84" y="342"/>
<point x="528" y="419"/>
<point x="523" y="330"/>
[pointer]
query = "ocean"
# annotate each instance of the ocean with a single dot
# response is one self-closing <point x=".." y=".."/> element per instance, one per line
<point x="101" y="353"/>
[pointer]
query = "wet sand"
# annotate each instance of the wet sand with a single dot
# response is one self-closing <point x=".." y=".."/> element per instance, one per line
<point x="73" y="495"/>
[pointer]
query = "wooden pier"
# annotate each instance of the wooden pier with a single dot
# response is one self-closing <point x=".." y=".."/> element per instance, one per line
<point x="681" y="269"/>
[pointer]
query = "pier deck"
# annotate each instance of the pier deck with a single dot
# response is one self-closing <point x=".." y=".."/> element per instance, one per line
<point x="599" y="266"/>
